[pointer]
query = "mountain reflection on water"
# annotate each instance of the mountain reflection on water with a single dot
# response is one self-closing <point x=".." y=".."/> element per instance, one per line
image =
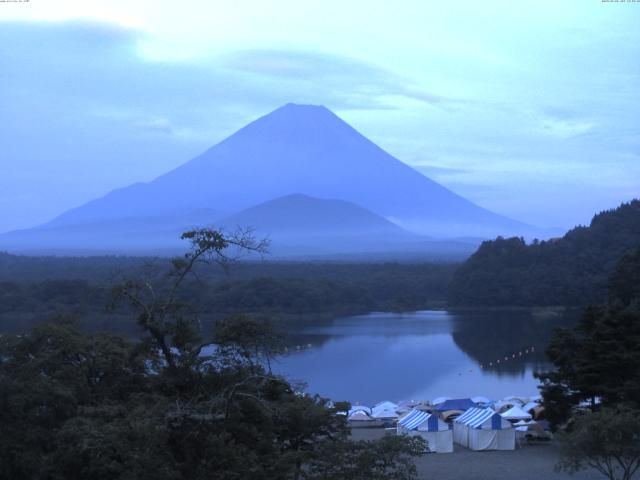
<point x="423" y="355"/>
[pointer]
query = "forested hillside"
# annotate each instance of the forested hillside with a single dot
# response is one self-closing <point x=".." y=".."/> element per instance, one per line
<point x="572" y="270"/>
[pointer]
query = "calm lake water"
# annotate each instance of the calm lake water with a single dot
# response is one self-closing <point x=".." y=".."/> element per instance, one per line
<point x="422" y="355"/>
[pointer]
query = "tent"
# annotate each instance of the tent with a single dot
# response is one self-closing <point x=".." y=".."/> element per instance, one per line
<point x="516" y="413"/>
<point x="455" y="404"/>
<point x="428" y="426"/>
<point x="503" y="405"/>
<point x="385" y="410"/>
<point x="362" y="419"/>
<point x="449" y="415"/>
<point x="439" y="400"/>
<point x="480" y="399"/>
<point x="530" y="406"/>
<point x="483" y="429"/>
<point x="358" y="416"/>
<point x="355" y="408"/>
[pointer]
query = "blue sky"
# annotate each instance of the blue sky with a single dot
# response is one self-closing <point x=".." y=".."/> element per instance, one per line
<point x="527" y="108"/>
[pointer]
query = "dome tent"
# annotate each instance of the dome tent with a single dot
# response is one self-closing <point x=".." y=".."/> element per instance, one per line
<point x="516" y="413"/>
<point x="385" y="410"/>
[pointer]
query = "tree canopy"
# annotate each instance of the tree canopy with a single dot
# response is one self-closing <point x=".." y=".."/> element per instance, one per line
<point x="598" y="361"/>
<point x="572" y="270"/>
<point x="180" y="403"/>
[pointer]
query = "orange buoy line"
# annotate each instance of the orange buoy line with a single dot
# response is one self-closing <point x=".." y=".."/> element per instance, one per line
<point x="507" y="357"/>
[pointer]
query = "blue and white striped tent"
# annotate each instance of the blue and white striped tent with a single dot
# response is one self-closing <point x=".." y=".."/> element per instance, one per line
<point x="430" y="427"/>
<point x="483" y="429"/>
<point x="477" y="417"/>
<point x="418" y="418"/>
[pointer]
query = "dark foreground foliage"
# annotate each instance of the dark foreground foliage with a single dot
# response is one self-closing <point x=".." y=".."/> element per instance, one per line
<point x="594" y="392"/>
<point x="607" y="441"/>
<point x="177" y="404"/>
<point x="598" y="362"/>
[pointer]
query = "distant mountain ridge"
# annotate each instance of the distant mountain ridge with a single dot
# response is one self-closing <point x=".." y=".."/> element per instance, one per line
<point x="299" y="214"/>
<point x="572" y="270"/>
<point x="295" y="149"/>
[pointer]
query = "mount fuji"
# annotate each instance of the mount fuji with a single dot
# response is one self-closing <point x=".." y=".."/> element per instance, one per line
<point x="304" y="153"/>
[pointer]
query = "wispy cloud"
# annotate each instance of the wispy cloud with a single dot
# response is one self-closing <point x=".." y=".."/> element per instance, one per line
<point x="492" y="101"/>
<point x="353" y="83"/>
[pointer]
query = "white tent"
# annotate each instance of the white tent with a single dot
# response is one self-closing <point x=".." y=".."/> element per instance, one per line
<point x="480" y="399"/>
<point x="358" y="416"/>
<point x="530" y="406"/>
<point x="387" y="410"/>
<point x="356" y="408"/>
<point x="504" y="405"/>
<point x="428" y="426"/>
<point x="524" y="423"/>
<point x="439" y="400"/>
<point x="483" y="429"/>
<point x="516" y="413"/>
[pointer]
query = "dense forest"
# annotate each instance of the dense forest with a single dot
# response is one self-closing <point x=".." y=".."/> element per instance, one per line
<point x="177" y="404"/>
<point x="598" y="361"/>
<point x="33" y="288"/>
<point x="572" y="270"/>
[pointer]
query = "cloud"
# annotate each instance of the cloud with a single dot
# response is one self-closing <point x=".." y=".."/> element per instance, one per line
<point x="86" y="109"/>
<point x="353" y="83"/>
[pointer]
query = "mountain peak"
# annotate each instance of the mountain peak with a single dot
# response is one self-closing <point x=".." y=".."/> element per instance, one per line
<point x="305" y="149"/>
<point x="296" y="112"/>
<point x="300" y="107"/>
<point x="295" y="124"/>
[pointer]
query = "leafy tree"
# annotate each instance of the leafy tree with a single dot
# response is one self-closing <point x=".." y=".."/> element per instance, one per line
<point x="607" y="441"/>
<point x="598" y="361"/>
<point x="388" y="458"/>
<point x="572" y="270"/>
<point x="179" y="404"/>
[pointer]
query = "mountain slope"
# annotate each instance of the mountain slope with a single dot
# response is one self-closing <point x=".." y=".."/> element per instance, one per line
<point x="302" y="215"/>
<point x="306" y="149"/>
<point x="129" y="234"/>
<point x="299" y="224"/>
<point x="572" y="270"/>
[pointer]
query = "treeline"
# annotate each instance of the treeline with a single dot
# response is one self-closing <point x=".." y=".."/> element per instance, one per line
<point x="175" y="405"/>
<point x="274" y="289"/>
<point x="572" y="270"/>
<point x="598" y="361"/>
<point x="592" y="393"/>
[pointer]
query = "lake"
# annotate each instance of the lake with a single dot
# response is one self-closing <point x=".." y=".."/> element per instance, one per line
<point x="422" y="355"/>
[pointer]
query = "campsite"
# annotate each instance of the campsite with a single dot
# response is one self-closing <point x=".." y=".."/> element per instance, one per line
<point x="475" y="423"/>
<point x="479" y="443"/>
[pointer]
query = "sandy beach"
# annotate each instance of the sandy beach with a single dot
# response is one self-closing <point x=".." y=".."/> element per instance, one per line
<point x="529" y="462"/>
